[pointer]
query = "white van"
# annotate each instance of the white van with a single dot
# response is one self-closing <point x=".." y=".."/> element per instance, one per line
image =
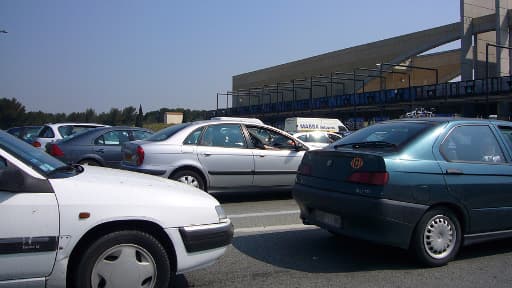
<point x="302" y="124"/>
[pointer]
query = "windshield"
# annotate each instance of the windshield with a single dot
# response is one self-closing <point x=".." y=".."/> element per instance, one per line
<point x="35" y="158"/>
<point x="165" y="133"/>
<point x="390" y="134"/>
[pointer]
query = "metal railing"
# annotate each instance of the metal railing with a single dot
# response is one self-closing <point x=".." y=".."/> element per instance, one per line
<point x="442" y="91"/>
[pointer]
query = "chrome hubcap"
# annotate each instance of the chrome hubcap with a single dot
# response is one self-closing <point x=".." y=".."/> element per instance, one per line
<point x="187" y="179"/>
<point x="124" y="265"/>
<point x="439" y="237"/>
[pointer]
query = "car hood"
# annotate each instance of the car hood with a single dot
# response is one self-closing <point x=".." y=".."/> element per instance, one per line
<point x="116" y="194"/>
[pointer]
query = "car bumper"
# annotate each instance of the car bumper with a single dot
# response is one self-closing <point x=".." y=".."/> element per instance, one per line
<point x="200" y="245"/>
<point x="206" y="237"/>
<point x="154" y="172"/>
<point x="378" y="220"/>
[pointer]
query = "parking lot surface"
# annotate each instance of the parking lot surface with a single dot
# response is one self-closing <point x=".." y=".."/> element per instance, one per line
<point x="272" y="248"/>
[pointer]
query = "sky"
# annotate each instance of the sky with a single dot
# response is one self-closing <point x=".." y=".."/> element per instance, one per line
<point x="63" y="56"/>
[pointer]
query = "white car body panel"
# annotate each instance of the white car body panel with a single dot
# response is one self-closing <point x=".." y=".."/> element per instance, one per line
<point x="23" y="216"/>
<point x="108" y="195"/>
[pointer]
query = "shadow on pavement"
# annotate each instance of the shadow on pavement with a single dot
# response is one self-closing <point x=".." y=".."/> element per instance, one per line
<point x="235" y="197"/>
<point x="318" y="251"/>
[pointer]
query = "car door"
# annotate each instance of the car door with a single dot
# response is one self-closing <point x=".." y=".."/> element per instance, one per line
<point x="482" y="181"/>
<point x="223" y="152"/>
<point x="108" y="147"/>
<point x="29" y="223"/>
<point x="277" y="160"/>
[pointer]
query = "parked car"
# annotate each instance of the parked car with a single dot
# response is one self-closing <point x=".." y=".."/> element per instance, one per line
<point x="84" y="226"/>
<point x="98" y="147"/>
<point x="53" y="132"/>
<point x="25" y="133"/>
<point x="219" y="155"/>
<point x="318" y="139"/>
<point x="429" y="185"/>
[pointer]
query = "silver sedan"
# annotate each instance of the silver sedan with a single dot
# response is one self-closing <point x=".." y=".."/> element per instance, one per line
<point x="219" y="155"/>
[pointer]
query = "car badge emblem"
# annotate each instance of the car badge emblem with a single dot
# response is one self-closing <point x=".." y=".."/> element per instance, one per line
<point x="329" y="163"/>
<point x="357" y="162"/>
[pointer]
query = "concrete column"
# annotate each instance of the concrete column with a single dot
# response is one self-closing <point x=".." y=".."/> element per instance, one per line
<point x="466" y="61"/>
<point x="473" y="50"/>
<point x="502" y="38"/>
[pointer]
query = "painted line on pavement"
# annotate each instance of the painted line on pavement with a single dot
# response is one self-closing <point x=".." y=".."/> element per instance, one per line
<point x="264" y="214"/>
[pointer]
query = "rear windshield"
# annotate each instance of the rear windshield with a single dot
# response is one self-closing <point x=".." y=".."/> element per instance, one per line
<point x="165" y="133"/>
<point x="394" y="133"/>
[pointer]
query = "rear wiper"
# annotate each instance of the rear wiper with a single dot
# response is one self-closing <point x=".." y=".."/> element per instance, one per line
<point x="377" y="144"/>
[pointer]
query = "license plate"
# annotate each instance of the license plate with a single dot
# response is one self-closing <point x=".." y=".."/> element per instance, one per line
<point x="327" y="218"/>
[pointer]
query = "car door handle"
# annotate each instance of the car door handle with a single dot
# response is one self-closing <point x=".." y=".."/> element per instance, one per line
<point x="100" y="150"/>
<point x="206" y="154"/>
<point x="454" y="171"/>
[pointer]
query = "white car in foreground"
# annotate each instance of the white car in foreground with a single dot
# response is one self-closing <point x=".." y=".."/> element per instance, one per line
<point x="84" y="226"/>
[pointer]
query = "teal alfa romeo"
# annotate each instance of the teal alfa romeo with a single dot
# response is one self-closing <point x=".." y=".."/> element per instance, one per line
<point x="429" y="185"/>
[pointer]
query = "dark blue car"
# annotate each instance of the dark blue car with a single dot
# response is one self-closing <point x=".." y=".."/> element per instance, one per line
<point x="97" y="147"/>
<point x="429" y="185"/>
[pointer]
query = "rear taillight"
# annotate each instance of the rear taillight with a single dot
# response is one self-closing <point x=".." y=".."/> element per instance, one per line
<point x="140" y="155"/>
<point x="55" y="150"/>
<point x="371" y="178"/>
<point x="305" y="169"/>
<point x="36" y="144"/>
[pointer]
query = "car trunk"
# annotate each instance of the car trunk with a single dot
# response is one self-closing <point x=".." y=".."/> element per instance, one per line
<point x="361" y="172"/>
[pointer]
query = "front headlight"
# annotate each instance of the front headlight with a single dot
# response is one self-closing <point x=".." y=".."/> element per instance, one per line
<point x="220" y="213"/>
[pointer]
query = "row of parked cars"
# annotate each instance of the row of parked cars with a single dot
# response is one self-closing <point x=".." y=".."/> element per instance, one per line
<point x="429" y="185"/>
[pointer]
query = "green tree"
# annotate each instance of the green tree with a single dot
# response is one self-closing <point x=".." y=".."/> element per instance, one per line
<point x="140" y="117"/>
<point x="12" y="113"/>
<point x="90" y="115"/>
<point x="128" y="115"/>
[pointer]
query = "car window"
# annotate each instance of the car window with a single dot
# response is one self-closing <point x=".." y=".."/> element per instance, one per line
<point x="223" y="135"/>
<point x="303" y="137"/>
<point x="396" y="133"/>
<point x="69" y="130"/>
<point x="65" y="130"/>
<point x="166" y="133"/>
<point x="318" y="138"/>
<point x="139" y="135"/>
<point x="3" y="163"/>
<point x="15" y="131"/>
<point x="35" y="158"/>
<point x="46" y="132"/>
<point x="507" y="134"/>
<point x="263" y="137"/>
<point x="193" y="138"/>
<point x="472" y="143"/>
<point x="116" y="137"/>
<point x="334" y="137"/>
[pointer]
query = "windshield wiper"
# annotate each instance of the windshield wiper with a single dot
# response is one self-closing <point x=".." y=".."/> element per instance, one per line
<point x="376" y="144"/>
<point x="65" y="168"/>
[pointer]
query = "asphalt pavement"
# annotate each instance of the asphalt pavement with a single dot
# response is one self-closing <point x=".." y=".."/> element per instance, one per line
<point x="272" y="248"/>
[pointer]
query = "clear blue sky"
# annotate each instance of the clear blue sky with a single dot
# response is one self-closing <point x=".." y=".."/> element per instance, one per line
<point x="67" y="56"/>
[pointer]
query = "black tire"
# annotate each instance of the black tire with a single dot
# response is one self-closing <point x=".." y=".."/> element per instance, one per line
<point x="112" y="253"/>
<point x="89" y="162"/>
<point x="442" y="224"/>
<point x="189" y="177"/>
